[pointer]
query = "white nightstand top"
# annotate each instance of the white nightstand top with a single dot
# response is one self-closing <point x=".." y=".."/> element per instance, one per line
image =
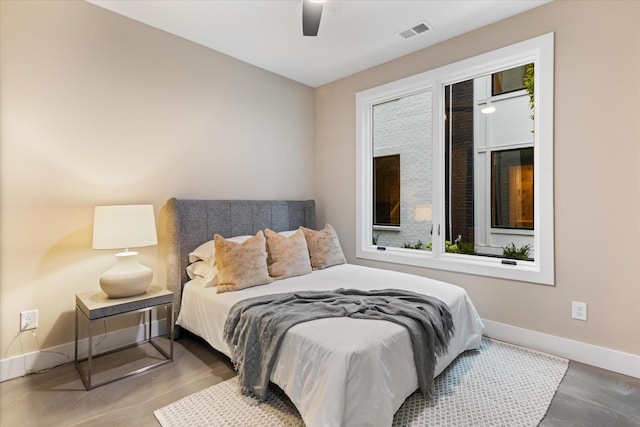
<point x="97" y="304"/>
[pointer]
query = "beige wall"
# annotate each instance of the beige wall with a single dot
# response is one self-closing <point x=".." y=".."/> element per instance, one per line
<point x="597" y="163"/>
<point x="99" y="109"/>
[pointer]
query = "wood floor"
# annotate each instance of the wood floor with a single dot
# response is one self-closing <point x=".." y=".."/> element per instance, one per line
<point x="587" y="396"/>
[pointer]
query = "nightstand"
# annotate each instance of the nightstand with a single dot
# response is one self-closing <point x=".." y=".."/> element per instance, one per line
<point x="97" y="306"/>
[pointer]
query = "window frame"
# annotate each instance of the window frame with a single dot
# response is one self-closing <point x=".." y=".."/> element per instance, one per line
<point x="540" y="51"/>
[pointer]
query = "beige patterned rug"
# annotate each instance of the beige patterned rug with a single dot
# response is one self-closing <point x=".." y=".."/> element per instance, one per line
<point x="497" y="385"/>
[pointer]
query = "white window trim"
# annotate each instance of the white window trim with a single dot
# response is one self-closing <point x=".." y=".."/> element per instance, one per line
<point x="542" y="269"/>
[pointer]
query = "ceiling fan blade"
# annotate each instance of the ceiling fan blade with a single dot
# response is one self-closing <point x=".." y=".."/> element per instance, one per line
<point x="311" y="14"/>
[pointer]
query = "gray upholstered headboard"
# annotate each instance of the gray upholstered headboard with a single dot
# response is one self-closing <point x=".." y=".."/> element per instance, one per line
<point x="193" y="222"/>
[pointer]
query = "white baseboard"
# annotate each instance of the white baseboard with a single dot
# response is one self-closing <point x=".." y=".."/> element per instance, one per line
<point x="18" y="366"/>
<point x="605" y="358"/>
<point x="612" y="360"/>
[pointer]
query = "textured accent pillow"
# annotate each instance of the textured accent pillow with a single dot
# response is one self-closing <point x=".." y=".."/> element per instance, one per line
<point x="287" y="256"/>
<point x="241" y="265"/>
<point x="324" y="247"/>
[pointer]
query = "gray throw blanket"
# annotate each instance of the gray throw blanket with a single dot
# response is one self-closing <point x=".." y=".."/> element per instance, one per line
<point x="255" y="327"/>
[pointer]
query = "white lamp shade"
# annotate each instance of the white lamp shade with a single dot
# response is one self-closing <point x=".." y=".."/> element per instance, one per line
<point x="123" y="227"/>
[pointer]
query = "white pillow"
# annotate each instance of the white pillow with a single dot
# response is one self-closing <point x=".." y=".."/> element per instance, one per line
<point x="287" y="233"/>
<point x="207" y="252"/>
<point x="204" y="252"/>
<point x="204" y="271"/>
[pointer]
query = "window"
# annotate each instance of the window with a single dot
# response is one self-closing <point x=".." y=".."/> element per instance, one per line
<point x="401" y="151"/>
<point x="489" y="140"/>
<point x="454" y="166"/>
<point x="512" y="189"/>
<point x="386" y="190"/>
<point x="510" y="80"/>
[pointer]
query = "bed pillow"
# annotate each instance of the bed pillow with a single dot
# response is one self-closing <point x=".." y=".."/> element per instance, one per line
<point x="324" y="247"/>
<point x="241" y="265"/>
<point x="287" y="256"/>
<point x="206" y="251"/>
<point x="204" y="271"/>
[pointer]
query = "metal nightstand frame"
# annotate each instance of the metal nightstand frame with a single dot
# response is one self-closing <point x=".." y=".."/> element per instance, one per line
<point x="147" y="310"/>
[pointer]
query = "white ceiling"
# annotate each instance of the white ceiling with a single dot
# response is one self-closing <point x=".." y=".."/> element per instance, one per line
<point x="354" y="34"/>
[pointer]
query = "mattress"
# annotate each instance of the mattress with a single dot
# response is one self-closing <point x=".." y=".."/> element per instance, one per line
<point x="340" y="371"/>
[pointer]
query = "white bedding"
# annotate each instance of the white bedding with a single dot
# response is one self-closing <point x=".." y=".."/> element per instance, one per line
<point x="340" y="371"/>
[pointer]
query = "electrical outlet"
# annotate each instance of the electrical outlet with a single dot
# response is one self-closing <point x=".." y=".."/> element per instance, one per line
<point x="28" y="320"/>
<point x="579" y="310"/>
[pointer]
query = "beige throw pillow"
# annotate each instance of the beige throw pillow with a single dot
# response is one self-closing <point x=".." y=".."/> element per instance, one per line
<point x="241" y="265"/>
<point x="287" y="256"/>
<point x="324" y="247"/>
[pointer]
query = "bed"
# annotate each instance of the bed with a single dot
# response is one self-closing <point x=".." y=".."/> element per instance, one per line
<point x="336" y="371"/>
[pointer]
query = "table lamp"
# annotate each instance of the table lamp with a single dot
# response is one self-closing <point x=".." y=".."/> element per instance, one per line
<point x="124" y="227"/>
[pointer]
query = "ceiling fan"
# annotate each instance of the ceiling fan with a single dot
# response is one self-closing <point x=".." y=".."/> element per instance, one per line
<point x="311" y="15"/>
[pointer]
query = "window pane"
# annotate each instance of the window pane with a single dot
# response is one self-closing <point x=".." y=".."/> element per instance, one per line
<point x="508" y="80"/>
<point x="402" y="181"/>
<point x="512" y="189"/>
<point x="459" y="161"/>
<point x="488" y="164"/>
<point x="386" y="190"/>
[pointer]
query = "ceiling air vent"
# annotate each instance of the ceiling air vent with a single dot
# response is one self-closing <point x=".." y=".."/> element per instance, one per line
<point x="420" y="28"/>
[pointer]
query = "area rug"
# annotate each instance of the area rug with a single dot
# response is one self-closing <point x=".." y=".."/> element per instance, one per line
<point x="497" y="385"/>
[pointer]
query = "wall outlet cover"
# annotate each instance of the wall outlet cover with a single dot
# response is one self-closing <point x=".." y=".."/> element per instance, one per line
<point x="28" y="320"/>
<point x="579" y="310"/>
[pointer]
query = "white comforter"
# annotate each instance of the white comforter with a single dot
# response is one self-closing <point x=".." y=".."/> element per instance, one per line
<point x="340" y="371"/>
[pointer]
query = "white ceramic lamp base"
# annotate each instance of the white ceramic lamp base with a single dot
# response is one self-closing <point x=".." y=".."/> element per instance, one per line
<point x="127" y="278"/>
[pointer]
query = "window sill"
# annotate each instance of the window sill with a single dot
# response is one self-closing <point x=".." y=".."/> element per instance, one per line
<point x="524" y="271"/>
<point x="396" y="228"/>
